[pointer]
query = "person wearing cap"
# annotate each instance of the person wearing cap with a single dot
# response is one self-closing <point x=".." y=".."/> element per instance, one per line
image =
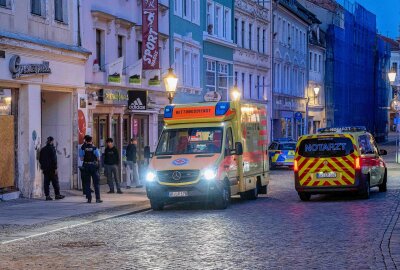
<point x="48" y="164"/>
<point x="90" y="156"/>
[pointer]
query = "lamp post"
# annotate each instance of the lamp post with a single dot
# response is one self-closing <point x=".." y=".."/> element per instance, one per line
<point x="170" y="81"/>
<point x="235" y="93"/>
<point x="394" y="105"/>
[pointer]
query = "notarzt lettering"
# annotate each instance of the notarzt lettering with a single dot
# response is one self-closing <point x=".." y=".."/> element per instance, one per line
<point x="325" y="147"/>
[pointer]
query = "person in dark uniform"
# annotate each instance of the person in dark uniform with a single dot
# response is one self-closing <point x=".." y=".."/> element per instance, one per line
<point x="48" y="164"/>
<point x="90" y="156"/>
<point x="82" y="169"/>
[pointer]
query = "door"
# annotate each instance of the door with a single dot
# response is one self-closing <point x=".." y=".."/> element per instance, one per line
<point x="230" y="160"/>
<point x="370" y="158"/>
<point x="140" y="131"/>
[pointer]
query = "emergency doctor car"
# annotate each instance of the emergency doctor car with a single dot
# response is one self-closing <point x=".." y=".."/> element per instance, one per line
<point x="208" y="152"/>
<point x="337" y="160"/>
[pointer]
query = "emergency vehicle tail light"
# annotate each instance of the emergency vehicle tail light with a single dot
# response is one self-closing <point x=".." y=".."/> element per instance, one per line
<point x="296" y="166"/>
<point x="221" y="108"/>
<point x="357" y="164"/>
<point x="168" y="111"/>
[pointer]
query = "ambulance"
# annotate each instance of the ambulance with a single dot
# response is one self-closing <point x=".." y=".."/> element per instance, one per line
<point x="337" y="160"/>
<point x="208" y="152"/>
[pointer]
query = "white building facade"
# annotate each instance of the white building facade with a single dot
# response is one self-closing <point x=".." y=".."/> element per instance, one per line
<point x="290" y="68"/>
<point x="252" y="56"/>
<point x="112" y="30"/>
<point x="41" y="71"/>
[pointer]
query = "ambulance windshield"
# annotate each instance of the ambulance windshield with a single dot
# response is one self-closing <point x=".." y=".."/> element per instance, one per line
<point x="326" y="147"/>
<point x="207" y="140"/>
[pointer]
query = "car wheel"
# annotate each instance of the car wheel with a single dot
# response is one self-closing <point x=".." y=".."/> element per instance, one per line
<point x="224" y="198"/>
<point x="305" y="197"/>
<point x="366" y="191"/>
<point x="156" y="205"/>
<point x="383" y="186"/>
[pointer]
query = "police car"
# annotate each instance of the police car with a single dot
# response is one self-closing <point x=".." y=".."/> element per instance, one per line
<point x="339" y="159"/>
<point x="281" y="152"/>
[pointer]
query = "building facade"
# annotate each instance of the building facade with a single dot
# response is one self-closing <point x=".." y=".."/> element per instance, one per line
<point x="112" y="31"/>
<point x="316" y="79"/>
<point x="42" y="70"/>
<point x="290" y="68"/>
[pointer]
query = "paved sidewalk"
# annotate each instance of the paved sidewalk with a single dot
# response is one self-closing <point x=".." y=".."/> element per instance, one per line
<point x="25" y="217"/>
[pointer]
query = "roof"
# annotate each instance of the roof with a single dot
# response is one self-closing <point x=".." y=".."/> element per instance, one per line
<point x="300" y="11"/>
<point x="43" y="42"/>
<point x="394" y="44"/>
<point x="330" y="5"/>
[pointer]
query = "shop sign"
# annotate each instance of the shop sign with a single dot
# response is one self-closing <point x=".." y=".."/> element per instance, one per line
<point x="137" y="100"/>
<point x="114" y="97"/>
<point x="212" y="96"/>
<point x="151" y="54"/>
<point x="17" y="70"/>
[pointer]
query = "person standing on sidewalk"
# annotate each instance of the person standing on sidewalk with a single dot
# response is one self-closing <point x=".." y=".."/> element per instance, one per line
<point x="48" y="164"/>
<point x="111" y="161"/>
<point x="132" y="166"/>
<point x="82" y="169"/>
<point x="90" y="156"/>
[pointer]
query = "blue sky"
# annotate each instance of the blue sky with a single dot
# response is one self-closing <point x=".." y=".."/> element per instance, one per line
<point x="387" y="15"/>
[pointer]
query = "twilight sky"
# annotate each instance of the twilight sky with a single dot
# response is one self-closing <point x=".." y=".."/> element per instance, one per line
<point x="387" y="15"/>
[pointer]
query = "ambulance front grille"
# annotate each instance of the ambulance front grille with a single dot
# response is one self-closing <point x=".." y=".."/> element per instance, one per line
<point x="178" y="176"/>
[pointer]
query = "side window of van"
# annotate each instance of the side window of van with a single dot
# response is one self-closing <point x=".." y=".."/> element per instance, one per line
<point x="373" y="144"/>
<point x="365" y="145"/>
<point x="273" y="146"/>
<point x="229" y="139"/>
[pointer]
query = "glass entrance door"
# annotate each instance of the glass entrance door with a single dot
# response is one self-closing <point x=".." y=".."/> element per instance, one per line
<point x="140" y="131"/>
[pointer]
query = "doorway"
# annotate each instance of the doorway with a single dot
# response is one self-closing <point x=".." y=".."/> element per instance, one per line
<point x="57" y="122"/>
<point x="140" y="131"/>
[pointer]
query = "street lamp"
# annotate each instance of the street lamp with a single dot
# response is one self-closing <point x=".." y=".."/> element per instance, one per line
<point x="171" y="81"/>
<point x="316" y="92"/>
<point x="235" y="93"/>
<point x="392" y="75"/>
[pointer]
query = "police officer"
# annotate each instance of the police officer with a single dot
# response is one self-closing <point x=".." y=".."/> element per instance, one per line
<point x="82" y="169"/>
<point x="90" y="156"/>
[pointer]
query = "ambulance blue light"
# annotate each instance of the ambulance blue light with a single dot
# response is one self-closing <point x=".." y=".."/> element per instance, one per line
<point x="168" y="111"/>
<point x="221" y="108"/>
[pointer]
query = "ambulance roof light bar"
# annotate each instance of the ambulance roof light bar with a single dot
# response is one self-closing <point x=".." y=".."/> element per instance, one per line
<point x="342" y="129"/>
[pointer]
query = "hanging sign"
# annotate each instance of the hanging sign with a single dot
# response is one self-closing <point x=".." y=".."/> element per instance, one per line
<point x="151" y="54"/>
<point x="137" y="100"/>
<point x="115" y="71"/>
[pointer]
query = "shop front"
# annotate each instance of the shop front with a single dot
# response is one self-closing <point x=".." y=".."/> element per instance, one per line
<point x="38" y="83"/>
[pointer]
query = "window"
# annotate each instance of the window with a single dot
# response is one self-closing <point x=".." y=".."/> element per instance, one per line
<point x="365" y="145"/>
<point x="120" y="46"/>
<point x="243" y="84"/>
<point x="235" y="38"/>
<point x="60" y="11"/>
<point x="258" y="39"/>
<point x="311" y="61"/>
<point x="258" y="87"/>
<point x="5" y="4"/>
<point x="263" y="41"/>
<point x="223" y="77"/>
<point x="186" y="68"/>
<point x="243" y="25"/>
<point x="36" y="7"/>
<point x="178" y="7"/>
<point x="250" y="36"/>
<point x="319" y="63"/>
<point x="140" y="44"/>
<point x="100" y="48"/>
<point x="195" y="70"/>
<point x="210" y="76"/>
<point x="229" y="140"/>
<point x="217" y="18"/>
<point x="186" y="9"/>
<point x="196" y="11"/>
<point x="227" y="24"/>
<point x="315" y="62"/>
<point x="210" y="15"/>
<point x="251" y="85"/>
<point x="264" y="96"/>
<point x="236" y="78"/>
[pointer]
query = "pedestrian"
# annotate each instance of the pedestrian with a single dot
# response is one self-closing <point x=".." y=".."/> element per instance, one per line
<point x="90" y="156"/>
<point x="48" y="164"/>
<point x="82" y="169"/>
<point x="132" y="174"/>
<point x="111" y="161"/>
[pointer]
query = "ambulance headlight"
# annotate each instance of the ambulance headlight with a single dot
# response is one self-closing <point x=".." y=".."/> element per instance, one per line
<point x="151" y="176"/>
<point x="210" y="174"/>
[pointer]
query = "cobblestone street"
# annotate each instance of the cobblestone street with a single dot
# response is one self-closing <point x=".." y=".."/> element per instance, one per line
<point x="276" y="231"/>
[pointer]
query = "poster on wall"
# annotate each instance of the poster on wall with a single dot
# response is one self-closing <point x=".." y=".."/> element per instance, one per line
<point x="115" y="71"/>
<point x="150" y="49"/>
<point x="82" y="117"/>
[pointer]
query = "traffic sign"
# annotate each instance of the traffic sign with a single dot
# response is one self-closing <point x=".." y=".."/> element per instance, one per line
<point x="298" y="116"/>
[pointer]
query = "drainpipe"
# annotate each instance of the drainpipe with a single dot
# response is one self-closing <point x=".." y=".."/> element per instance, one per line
<point x="79" y="24"/>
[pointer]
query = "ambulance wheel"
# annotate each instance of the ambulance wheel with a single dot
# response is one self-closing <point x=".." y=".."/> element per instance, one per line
<point x="365" y="193"/>
<point x="383" y="186"/>
<point x="223" y="199"/>
<point x="305" y="197"/>
<point x="157" y="205"/>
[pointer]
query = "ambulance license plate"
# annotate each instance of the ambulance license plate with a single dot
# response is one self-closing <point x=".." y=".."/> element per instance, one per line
<point x="178" y="194"/>
<point x="326" y="175"/>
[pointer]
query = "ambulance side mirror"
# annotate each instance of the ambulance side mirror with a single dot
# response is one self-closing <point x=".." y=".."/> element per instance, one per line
<point x="147" y="153"/>
<point x="239" y="148"/>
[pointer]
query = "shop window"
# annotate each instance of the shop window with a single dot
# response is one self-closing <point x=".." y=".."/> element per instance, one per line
<point x="210" y="76"/>
<point x="5" y="101"/>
